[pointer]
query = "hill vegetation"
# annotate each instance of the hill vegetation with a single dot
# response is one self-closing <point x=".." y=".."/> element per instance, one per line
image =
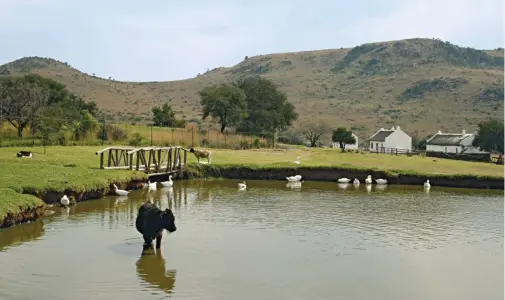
<point x="421" y="84"/>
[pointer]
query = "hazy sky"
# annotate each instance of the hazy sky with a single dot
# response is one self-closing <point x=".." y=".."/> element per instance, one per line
<point x="168" y="40"/>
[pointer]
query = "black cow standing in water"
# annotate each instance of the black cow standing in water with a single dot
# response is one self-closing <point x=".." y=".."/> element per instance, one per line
<point x="151" y="221"/>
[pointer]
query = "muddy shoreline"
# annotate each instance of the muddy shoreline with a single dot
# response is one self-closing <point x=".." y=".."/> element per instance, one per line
<point x="238" y="172"/>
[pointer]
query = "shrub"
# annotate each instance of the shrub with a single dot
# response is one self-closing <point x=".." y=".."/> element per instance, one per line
<point x="136" y="140"/>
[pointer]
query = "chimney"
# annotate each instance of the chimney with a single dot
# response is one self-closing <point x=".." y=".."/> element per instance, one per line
<point x="439" y="131"/>
<point x="463" y="132"/>
<point x="397" y="127"/>
<point x="393" y="128"/>
<point x="382" y="129"/>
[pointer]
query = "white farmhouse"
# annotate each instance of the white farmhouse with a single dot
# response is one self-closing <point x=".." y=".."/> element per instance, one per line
<point x="452" y="143"/>
<point x="390" y="139"/>
<point x="348" y="146"/>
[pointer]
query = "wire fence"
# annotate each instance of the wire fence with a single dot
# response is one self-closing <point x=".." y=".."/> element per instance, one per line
<point x="80" y="133"/>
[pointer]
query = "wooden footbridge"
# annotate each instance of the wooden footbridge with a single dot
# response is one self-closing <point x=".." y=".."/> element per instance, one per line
<point x="151" y="160"/>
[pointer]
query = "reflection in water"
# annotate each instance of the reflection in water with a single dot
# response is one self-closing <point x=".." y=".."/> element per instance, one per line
<point x="342" y="186"/>
<point x="151" y="269"/>
<point x="294" y="185"/>
<point x="380" y="187"/>
<point x="319" y="242"/>
<point x="21" y="233"/>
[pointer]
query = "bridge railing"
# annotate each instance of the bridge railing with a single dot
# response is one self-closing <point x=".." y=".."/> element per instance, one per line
<point x="147" y="159"/>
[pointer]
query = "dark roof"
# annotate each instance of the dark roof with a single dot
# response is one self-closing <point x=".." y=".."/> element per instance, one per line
<point x="381" y="135"/>
<point x="447" y="139"/>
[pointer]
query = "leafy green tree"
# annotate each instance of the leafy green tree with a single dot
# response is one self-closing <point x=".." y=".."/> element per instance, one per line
<point x="81" y="123"/>
<point x="268" y="110"/>
<point x="490" y="136"/>
<point x="164" y="116"/>
<point x="224" y="103"/>
<point x="343" y="136"/>
<point x="50" y="124"/>
<point x="421" y="144"/>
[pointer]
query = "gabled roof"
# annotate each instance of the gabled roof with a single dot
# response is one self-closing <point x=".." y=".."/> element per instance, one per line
<point x="447" y="139"/>
<point x="381" y="135"/>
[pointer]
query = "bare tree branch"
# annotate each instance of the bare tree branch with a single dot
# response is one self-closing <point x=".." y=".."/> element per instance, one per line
<point x="314" y="131"/>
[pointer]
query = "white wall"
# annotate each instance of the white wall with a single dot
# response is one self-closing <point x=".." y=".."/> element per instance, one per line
<point x="448" y="149"/>
<point x="398" y="139"/>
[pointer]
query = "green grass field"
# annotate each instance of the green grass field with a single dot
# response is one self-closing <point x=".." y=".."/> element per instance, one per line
<point x="329" y="157"/>
<point x="75" y="168"/>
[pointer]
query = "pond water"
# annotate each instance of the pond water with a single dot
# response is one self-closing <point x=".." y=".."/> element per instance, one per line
<point x="270" y="241"/>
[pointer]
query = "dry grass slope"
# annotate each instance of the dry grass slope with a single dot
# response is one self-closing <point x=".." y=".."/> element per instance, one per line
<point x="362" y="88"/>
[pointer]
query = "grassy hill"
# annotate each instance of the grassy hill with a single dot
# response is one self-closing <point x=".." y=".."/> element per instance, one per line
<point x="423" y="85"/>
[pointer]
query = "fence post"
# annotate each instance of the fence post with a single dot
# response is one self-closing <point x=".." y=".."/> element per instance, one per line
<point x="103" y="131"/>
<point x="33" y="133"/>
<point x="396" y="151"/>
<point x="151" y="135"/>
<point x="192" y="137"/>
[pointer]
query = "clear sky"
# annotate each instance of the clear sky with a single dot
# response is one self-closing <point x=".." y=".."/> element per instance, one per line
<point x="167" y="40"/>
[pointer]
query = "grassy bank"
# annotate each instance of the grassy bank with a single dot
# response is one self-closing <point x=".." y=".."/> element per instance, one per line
<point x="12" y="202"/>
<point x="314" y="158"/>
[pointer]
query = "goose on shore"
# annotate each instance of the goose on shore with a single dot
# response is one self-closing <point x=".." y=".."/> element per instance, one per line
<point x="241" y="186"/>
<point x="297" y="161"/>
<point x="64" y="201"/>
<point x="344" y="180"/>
<point x="381" y="181"/>
<point x="120" y="192"/>
<point x="168" y="183"/>
<point x="368" y="179"/>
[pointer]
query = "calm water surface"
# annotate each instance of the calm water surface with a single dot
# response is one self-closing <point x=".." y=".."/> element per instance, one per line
<point x="271" y="241"/>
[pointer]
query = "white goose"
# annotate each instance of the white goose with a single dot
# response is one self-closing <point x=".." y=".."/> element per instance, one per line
<point x="427" y="183"/>
<point x="241" y="186"/>
<point x="297" y="161"/>
<point x="168" y="183"/>
<point x="356" y="181"/>
<point x="344" y="180"/>
<point x="120" y="192"/>
<point x="152" y="185"/>
<point x="64" y="201"/>
<point x="381" y="181"/>
<point x="294" y="178"/>
<point x="368" y="179"/>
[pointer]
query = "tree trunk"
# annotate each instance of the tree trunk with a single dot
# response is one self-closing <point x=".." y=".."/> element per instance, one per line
<point x="223" y="126"/>
<point x="20" y="131"/>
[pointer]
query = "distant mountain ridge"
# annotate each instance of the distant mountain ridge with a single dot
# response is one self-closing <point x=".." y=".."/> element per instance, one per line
<point x="423" y="85"/>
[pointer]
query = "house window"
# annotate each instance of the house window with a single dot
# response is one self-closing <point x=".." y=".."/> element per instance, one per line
<point x="456" y="150"/>
<point x="371" y="145"/>
<point x="445" y="149"/>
